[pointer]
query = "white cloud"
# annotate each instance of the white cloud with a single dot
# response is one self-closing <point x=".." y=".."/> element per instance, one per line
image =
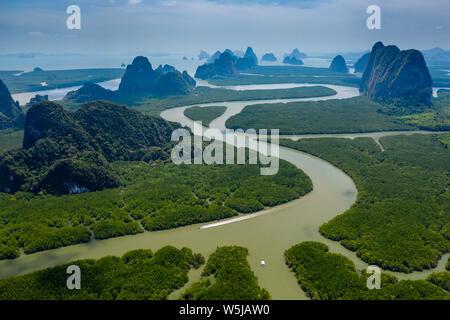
<point x="190" y="25"/>
<point x="170" y="3"/>
<point x="36" y="34"/>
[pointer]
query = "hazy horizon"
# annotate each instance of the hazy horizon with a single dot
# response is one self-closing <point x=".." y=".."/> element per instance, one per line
<point x="124" y="27"/>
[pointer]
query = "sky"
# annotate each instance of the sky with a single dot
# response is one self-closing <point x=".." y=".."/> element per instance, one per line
<point x="187" y="26"/>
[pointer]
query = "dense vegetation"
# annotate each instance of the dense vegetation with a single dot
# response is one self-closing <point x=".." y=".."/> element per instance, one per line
<point x="441" y="279"/>
<point x="207" y="192"/>
<point x="436" y="118"/>
<point x="153" y="105"/>
<point x="357" y="114"/>
<point x="286" y="74"/>
<point x="289" y="74"/>
<point x="205" y="114"/>
<point x="445" y="139"/>
<point x="428" y="120"/>
<point x="152" y="196"/>
<point x="68" y="152"/>
<point x="74" y="152"/>
<point x="331" y="116"/>
<point x="10" y="139"/>
<point x="228" y="276"/>
<point x="137" y="275"/>
<point x="443" y="102"/>
<point x="31" y="81"/>
<point x="401" y="220"/>
<point x="329" y="276"/>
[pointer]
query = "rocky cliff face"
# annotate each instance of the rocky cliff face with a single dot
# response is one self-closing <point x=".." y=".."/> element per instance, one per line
<point x="206" y="71"/>
<point x="189" y="79"/>
<point x="68" y="152"/>
<point x="397" y="77"/>
<point x="141" y="78"/>
<point x="174" y="83"/>
<point x="338" y="64"/>
<point x="11" y="114"/>
<point x="231" y="53"/>
<point x="361" y="64"/>
<point x="224" y="66"/>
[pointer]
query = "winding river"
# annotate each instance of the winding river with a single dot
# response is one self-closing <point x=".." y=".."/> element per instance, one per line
<point x="267" y="235"/>
<point x="59" y="93"/>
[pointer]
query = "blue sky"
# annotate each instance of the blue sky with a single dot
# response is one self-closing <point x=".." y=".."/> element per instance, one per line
<point x="186" y="26"/>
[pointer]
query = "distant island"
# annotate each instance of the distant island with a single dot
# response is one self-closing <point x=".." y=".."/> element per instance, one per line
<point x="203" y="55"/>
<point x="224" y="66"/>
<point x="437" y="55"/>
<point x="248" y="61"/>
<point x="338" y="64"/>
<point x="297" y="54"/>
<point x="139" y="77"/>
<point x="293" y="61"/>
<point x="294" y="58"/>
<point x="269" y="57"/>
<point x="227" y="64"/>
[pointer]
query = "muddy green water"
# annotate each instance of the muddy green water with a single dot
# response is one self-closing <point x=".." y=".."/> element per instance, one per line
<point x="266" y="236"/>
